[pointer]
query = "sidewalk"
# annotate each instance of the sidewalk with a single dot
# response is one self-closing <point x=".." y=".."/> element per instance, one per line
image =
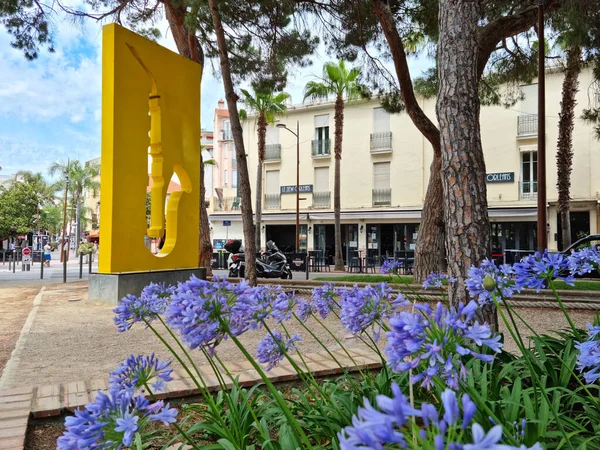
<point x="52" y="274"/>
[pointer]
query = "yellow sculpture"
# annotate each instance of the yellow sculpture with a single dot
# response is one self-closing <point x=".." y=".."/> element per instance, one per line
<point x="150" y="107"/>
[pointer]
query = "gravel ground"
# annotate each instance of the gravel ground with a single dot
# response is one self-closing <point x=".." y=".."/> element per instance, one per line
<point x="73" y="339"/>
<point x="15" y="305"/>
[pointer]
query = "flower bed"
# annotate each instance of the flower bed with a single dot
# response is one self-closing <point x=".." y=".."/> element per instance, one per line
<point x="446" y="383"/>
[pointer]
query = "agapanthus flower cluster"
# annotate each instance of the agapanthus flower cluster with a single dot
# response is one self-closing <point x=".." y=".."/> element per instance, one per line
<point x="369" y="307"/>
<point x="585" y="261"/>
<point x="273" y="347"/>
<point x="322" y="302"/>
<point x="390" y="266"/>
<point x="536" y="271"/>
<point x="152" y="302"/>
<point x="112" y="420"/>
<point x="436" y="279"/>
<point x="136" y="372"/>
<point x="589" y="355"/>
<point x="430" y="342"/>
<point x="488" y="281"/>
<point x="391" y="424"/>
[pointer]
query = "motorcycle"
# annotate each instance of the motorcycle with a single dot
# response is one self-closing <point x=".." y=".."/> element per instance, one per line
<point x="271" y="264"/>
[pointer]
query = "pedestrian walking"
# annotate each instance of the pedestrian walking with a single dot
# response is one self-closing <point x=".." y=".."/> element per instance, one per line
<point x="47" y="254"/>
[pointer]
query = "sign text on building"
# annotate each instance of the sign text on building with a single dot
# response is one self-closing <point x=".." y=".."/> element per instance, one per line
<point x="306" y="188"/>
<point x="500" y="177"/>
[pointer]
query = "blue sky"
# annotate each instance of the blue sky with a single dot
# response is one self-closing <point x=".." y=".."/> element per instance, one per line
<point x="50" y="107"/>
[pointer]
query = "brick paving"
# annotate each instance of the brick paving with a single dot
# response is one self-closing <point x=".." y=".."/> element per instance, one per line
<point x="19" y="404"/>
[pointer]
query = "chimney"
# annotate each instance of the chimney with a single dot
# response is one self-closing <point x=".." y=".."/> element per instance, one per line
<point x="221" y="104"/>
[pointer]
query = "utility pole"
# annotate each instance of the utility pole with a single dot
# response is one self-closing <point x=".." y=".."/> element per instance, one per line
<point x="542" y="220"/>
<point x="63" y="253"/>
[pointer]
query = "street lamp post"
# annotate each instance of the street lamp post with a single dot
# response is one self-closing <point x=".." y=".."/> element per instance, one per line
<point x="297" y="134"/>
<point x="542" y="236"/>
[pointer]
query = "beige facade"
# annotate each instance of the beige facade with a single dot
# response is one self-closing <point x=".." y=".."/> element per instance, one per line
<point x="385" y="171"/>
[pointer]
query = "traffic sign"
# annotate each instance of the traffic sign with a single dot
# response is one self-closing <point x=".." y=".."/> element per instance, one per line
<point x="227" y="223"/>
<point x="26" y="251"/>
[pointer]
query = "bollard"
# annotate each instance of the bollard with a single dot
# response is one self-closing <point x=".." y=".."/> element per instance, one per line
<point x="14" y="261"/>
<point x="80" y="266"/>
<point x="42" y="270"/>
<point x="90" y="262"/>
<point x="307" y="261"/>
<point x="64" y="265"/>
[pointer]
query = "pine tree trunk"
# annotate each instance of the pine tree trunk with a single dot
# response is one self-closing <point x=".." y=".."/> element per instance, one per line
<point x="463" y="165"/>
<point x="430" y="253"/>
<point x="236" y="128"/>
<point x="564" y="153"/>
<point x="337" y="204"/>
<point x="262" y="133"/>
<point x="189" y="46"/>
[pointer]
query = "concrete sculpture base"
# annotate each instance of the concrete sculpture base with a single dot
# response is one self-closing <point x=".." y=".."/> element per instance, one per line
<point x="113" y="287"/>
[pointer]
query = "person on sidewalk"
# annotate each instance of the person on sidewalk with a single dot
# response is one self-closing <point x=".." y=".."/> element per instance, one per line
<point x="47" y="255"/>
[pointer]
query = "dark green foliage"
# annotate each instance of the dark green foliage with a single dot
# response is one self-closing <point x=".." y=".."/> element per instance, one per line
<point x="18" y="209"/>
<point x="28" y="23"/>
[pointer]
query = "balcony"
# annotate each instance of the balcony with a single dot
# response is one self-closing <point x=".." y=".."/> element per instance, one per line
<point x="381" y="142"/>
<point x="321" y="148"/>
<point x="321" y="200"/>
<point x="226" y="134"/>
<point x="273" y="153"/>
<point x="528" y="190"/>
<point x="382" y="197"/>
<point x="272" y="201"/>
<point x="527" y="125"/>
<point x="227" y="204"/>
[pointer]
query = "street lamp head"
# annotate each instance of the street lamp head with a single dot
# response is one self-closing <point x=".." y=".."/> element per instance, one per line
<point x="280" y="125"/>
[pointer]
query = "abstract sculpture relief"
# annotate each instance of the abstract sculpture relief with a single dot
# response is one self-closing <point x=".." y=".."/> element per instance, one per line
<point x="150" y="110"/>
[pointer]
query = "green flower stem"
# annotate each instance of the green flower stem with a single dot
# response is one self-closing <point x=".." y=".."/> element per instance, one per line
<point x="315" y="337"/>
<point x="563" y="309"/>
<point x="217" y="372"/>
<point x="534" y="375"/>
<point x="202" y="388"/>
<point x="335" y="338"/>
<point x="278" y="397"/>
<point x="176" y="425"/>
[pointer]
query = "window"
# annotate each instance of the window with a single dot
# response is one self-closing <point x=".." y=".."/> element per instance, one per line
<point x="529" y="102"/>
<point x="272" y="182"/>
<point x="381" y="175"/>
<point x="234" y="178"/>
<point x="225" y="182"/>
<point x="272" y="135"/>
<point x="529" y="172"/>
<point x="381" y="120"/>
<point x="321" y="179"/>
<point x="321" y="146"/>
<point x="233" y="156"/>
<point x="227" y="130"/>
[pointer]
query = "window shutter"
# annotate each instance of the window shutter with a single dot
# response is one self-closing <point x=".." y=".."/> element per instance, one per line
<point x="530" y="100"/>
<point x="272" y="182"/>
<point x="381" y="175"/>
<point x="381" y="120"/>
<point x="272" y="135"/>
<point x="321" y="179"/>
<point x="322" y="121"/>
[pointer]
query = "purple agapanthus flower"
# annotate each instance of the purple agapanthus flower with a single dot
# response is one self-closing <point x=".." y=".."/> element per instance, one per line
<point x="283" y="306"/>
<point x="369" y="307"/>
<point x="588" y="360"/>
<point x="430" y="342"/>
<point x="138" y="371"/>
<point x="585" y="261"/>
<point x="322" y="302"/>
<point x="390" y="266"/>
<point x="388" y="424"/>
<point x="152" y="302"/>
<point x="437" y="279"/>
<point x="536" y="271"/>
<point x="488" y="281"/>
<point x="273" y="347"/>
<point x="112" y="420"/>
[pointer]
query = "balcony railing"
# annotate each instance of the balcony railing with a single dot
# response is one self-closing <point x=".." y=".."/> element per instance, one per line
<point x="381" y="142"/>
<point x="527" y="125"/>
<point x="382" y="197"/>
<point x="227" y="204"/>
<point x="321" y="148"/>
<point x="272" y="152"/>
<point x="227" y="134"/>
<point x="322" y="200"/>
<point x="528" y="190"/>
<point x="272" y="201"/>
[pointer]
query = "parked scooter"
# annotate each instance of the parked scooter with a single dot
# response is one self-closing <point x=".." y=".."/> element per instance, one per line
<point x="272" y="264"/>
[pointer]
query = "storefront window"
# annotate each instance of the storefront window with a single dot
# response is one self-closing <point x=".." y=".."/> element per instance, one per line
<point x="303" y="238"/>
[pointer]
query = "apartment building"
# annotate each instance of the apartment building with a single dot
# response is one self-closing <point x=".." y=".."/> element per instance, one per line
<point x="224" y="170"/>
<point x="385" y="172"/>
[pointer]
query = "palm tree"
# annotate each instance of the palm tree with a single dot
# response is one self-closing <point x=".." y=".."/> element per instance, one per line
<point x="342" y="83"/>
<point x="267" y="105"/>
<point x="81" y="179"/>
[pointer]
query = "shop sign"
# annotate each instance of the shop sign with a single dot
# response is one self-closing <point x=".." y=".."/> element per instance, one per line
<point x="500" y="177"/>
<point x="304" y="188"/>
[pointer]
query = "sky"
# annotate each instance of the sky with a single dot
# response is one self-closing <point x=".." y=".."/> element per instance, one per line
<point x="50" y="107"/>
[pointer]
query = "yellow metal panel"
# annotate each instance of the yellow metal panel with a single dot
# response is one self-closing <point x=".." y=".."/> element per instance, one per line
<point x="150" y="107"/>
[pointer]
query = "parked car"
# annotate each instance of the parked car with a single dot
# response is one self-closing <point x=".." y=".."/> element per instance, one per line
<point x="593" y="240"/>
